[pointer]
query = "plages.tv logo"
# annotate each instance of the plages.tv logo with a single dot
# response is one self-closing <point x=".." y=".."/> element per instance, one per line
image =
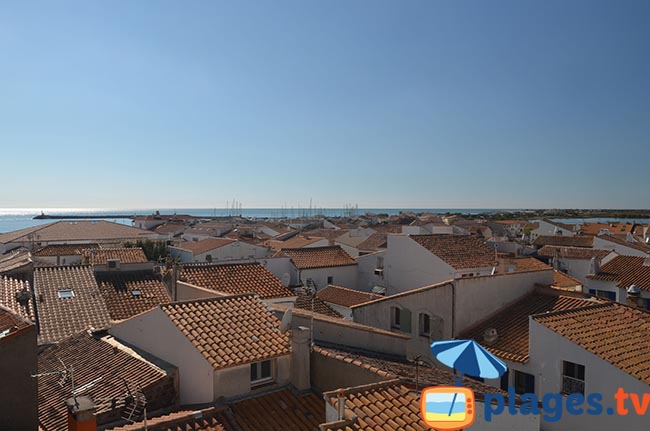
<point x="450" y="408"/>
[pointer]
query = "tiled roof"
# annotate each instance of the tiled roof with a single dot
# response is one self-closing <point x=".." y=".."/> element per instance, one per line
<point x="406" y="293"/>
<point x="11" y="323"/>
<point x="330" y="234"/>
<point x="279" y="410"/>
<point x="406" y="371"/>
<point x="572" y="252"/>
<point x="459" y="251"/>
<point x="565" y="281"/>
<point x="103" y="361"/>
<point x="512" y="327"/>
<point x="230" y="330"/>
<point x="15" y="260"/>
<point x="63" y="249"/>
<point x="129" y="293"/>
<point x="613" y="228"/>
<point x="99" y="256"/>
<point x="529" y="264"/>
<point x="303" y="313"/>
<point x="626" y="271"/>
<point x="386" y="406"/>
<point x="297" y="241"/>
<point x="198" y="247"/>
<point x="623" y="241"/>
<point x="235" y="278"/>
<point x="62" y="317"/>
<point x="374" y="242"/>
<point x="201" y="420"/>
<point x="345" y="297"/>
<point x="9" y="288"/>
<point x="564" y="241"/>
<point x="317" y="257"/>
<point x="304" y="302"/>
<point x="81" y="230"/>
<point x="614" y="332"/>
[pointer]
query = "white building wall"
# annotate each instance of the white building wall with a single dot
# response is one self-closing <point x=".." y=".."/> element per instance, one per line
<point x="480" y="297"/>
<point x="366" y="265"/>
<point x="154" y="333"/>
<point x="279" y="266"/>
<point x="345" y="276"/>
<point x="548" y="350"/>
<point x="601" y="242"/>
<point x="408" y="266"/>
<point x="236" y="381"/>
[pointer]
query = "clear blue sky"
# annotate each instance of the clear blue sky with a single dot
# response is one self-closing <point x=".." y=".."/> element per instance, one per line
<point x="381" y="103"/>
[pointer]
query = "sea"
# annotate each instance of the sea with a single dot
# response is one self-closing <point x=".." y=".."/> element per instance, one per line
<point x="19" y="218"/>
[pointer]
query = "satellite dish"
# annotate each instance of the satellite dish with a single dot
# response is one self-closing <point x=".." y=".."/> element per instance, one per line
<point x="286" y="321"/>
<point x="286" y="279"/>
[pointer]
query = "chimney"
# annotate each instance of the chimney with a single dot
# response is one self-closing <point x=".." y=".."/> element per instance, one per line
<point x="646" y="261"/>
<point x="340" y="404"/>
<point x="81" y="414"/>
<point x="300" y="358"/>
<point x="594" y="266"/>
<point x="634" y="297"/>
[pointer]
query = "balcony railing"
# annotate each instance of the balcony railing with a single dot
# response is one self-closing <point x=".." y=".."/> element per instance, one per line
<point x="572" y="386"/>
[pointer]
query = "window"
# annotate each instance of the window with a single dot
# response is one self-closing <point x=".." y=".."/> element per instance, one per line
<point x="400" y="319"/>
<point x="261" y="372"/>
<point x="524" y="383"/>
<point x="395" y="320"/>
<point x="573" y="378"/>
<point x="66" y="293"/>
<point x="208" y="258"/>
<point x="505" y="380"/>
<point x="425" y="325"/>
<point x="603" y="294"/>
<point x="330" y="279"/>
<point x="380" y="262"/>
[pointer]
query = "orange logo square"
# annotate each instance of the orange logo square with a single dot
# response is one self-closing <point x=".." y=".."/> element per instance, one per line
<point x="447" y="408"/>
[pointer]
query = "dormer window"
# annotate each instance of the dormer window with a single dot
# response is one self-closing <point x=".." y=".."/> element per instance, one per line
<point x="136" y="292"/>
<point x="66" y="293"/>
<point x="261" y="372"/>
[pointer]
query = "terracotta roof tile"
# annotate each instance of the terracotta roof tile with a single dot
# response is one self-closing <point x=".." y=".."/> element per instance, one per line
<point x="63" y="249"/>
<point x="198" y="247"/>
<point x="512" y="326"/>
<point x="386" y="406"/>
<point x="9" y="289"/>
<point x="201" y="420"/>
<point x="391" y="368"/>
<point x="564" y="241"/>
<point x="129" y="293"/>
<point x="297" y="241"/>
<point x="60" y="317"/>
<point x="235" y="278"/>
<point x="317" y="257"/>
<point x="614" y="332"/>
<point x="80" y="230"/>
<point x="99" y="256"/>
<point x="94" y="358"/>
<point x="15" y="260"/>
<point x="345" y="297"/>
<point x="565" y="281"/>
<point x="230" y="330"/>
<point x="374" y="242"/>
<point x="523" y="264"/>
<point x="11" y="323"/>
<point x="626" y="271"/>
<point x="613" y="228"/>
<point x="280" y="410"/>
<point x="459" y="251"/>
<point x="572" y="252"/>
<point x="304" y="302"/>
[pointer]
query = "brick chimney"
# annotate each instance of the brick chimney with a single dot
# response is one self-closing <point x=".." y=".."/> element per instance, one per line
<point x="81" y="414"/>
<point x="633" y="297"/>
<point x="300" y="352"/>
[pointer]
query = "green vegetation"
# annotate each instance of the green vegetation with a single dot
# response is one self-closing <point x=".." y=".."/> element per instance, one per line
<point x="154" y="250"/>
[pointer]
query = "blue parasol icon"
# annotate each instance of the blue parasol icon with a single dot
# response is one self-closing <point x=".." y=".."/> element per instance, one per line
<point x="468" y="357"/>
